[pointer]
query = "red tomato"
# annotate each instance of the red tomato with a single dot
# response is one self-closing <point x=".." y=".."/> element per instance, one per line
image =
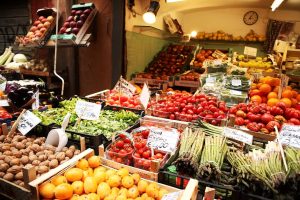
<point x="123" y="98"/>
<point x="265" y="118"/>
<point x="239" y="121"/>
<point x="137" y="145"/>
<point x="253" y="126"/>
<point x="275" y="110"/>
<point x="120" y="144"/>
<point x="146" y="154"/>
<point x="127" y="140"/>
<point x="270" y="126"/>
<point x="122" y="152"/>
<point x="141" y="151"/>
<point x="119" y="160"/>
<point x="137" y="155"/>
<point x="295" y="121"/>
<point x="145" y="134"/>
<point x="158" y="156"/>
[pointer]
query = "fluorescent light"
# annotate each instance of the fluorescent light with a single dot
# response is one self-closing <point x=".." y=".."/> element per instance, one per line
<point x="276" y="4"/>
<point x="193" y="34"/>
<point x="173" y="1"/>
<point x="149" y="17"/>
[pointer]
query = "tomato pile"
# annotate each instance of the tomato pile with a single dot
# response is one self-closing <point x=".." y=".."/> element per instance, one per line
<point x="142" y="155"/>
<point x="4" y="114"/>
<point x="121" y="150"/>
<point x="263" y="118"/>
<point x="185" y="107"/>
<point x="116" y="99"/>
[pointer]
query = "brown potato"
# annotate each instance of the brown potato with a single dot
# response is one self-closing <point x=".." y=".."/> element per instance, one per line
<point x="42" y="158"/>
<point x="42" y="169"/>
<point x="53" y="163"/>
<point x="8" y="177"/>
<point x="14" y="169"/>
<point x="19" y="176"/>
<point x="51" y="157"/>
<point x="2" y="174"/>
<point x="17" y="154"/>
<point x="20" y="145"/>
<point x="14" y="161"/>
<point x="7" y="159"/>
<point x="24" y="160"/>
<point x="4" y="167"/>
<point x="2" y="137"/>
<point x="36" y="148"/>
<point x="36" y="162"/>
<point x="60" y="156"/>
<point x="69" y="153"/>
<point x="32" y="157"/>
<point x="7" y="153"/>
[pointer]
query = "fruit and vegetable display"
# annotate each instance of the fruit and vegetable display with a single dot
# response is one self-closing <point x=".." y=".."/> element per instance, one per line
<point x="258" y="62"/>
<point x="186" y="107"/>
<point x="117" y="99"/>
<point x="108" y="122"/>
<point x="90" y="180"/>
<point x="75" y="21"/>
<point x="19" y="151"/>
<point x="189" y="76"/>
<point x="204" y="54"/>
<point x="169" y="62"/>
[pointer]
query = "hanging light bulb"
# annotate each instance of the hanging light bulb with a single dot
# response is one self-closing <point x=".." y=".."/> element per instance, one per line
<point x="150" y="16"/>
<point x="193" y="34"/>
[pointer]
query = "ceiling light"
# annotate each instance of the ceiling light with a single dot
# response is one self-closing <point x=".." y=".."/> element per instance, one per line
<point x="193" y="34"/>
<point x="173" y="1"/>
<point x="150" y="16"/>
<point x="276" y="4"/>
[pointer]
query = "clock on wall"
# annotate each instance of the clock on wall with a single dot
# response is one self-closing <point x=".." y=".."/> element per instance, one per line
<point x="250" y="17"/>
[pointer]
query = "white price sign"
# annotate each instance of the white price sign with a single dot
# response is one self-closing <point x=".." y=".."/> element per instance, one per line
<point x="87" y="110"/>
<point x="238" y="135"/>
<point x="236" y="82"/>
<point x="125" y="87"/>
<point x="171" y="196"/>
<point x="210" y="79"/>
<point x="36" y="103"/>
<point x="290" y="135"/>
<point x="164" y="140"/>
<point x="145" y="96"/>
<point x="236" y="92"/>
<point x="27" y="122"/>
<point x="4" y="102"/>
<point x="250" y="51"/>
<point x="2" y="83"/>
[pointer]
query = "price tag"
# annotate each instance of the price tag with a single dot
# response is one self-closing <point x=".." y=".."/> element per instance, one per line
<point x="236" y="92"/>
<point x="2" y="83"/>
<point x="238" y="135"/>
<point x="236" y="82"/>
<point x="217" y="62"/>
<point x="125" y="87"/>
<point x="27" y="122"/>
<point x="250" y="51"/>
<point x="164" y="140"/>
<point x="4" y="102"/>
<point x="218" y="54"/>
<point x="210" y="79"/>
<point x="36" y="103"/>
<point x="145" y="96"/>
<point x="290" y="135"/>
<point x="88" y="110"/>
<point x="171" y="196"/>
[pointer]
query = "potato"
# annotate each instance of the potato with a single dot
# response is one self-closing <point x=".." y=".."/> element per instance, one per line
<point x="14" y="161"/>
<point x="45" y="163"/>
<point x="17" y="154"/>
<point x="36" y="148"/>
<point x="69" y="153"/>
<point x="53" y="163"/>
<point x="2" y="157"/>
<point x="8" y="140"/>
<point x="7" y="159"/>
<point x="20" y="145"/>
<point x="2" y="162"/>
<point x="64" y="149"/>
<point x="60" y="156"/>
<point x="32" y="157"/>
<point x="7" y="153"/>
<point x="28" y="144"/>
<point x="24" y="160"/>
<point x="48" y="152"/>
<point x="36" y="162"/>
<point x="2" y="174"/>
<point x="2" y="137"/>
<point x="51" y="157"/>
<point x="8" y="177"/>
<point x="77" y="152"/>
<point x="19" y="176"/>
<point x="72" y="147"/>
<point x="42" y="169"/>
<point x="38" y="141"/>
<point x="17" y="182"/>
<point x="42" y="158"/>
<point x="14" y="169"/>
<point x="24" y="141"/>
<point x="39" y="153"/>
<point x="22" y="184"/>
<point x="4" y="167"/>
<point x="28" y="166"/>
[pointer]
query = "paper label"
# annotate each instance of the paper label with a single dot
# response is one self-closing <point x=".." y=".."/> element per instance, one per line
<point x="125" y="87"/>
<point x="238" y="135"/>
<point x="217" y="62"/>
<point x="236" y="92"/>
<point x="210" y="79"/>
<point x="87" y="110"/>
<point x="290" y="135"/>
<point x="236" y="82"/>
<point x="250" y="51"/>
<point x="164" y="140"/>
<point x="4" y="102"/>
<point x="218" y="54"/>
<point x="171" y="196"/>
<point x="145" y="96"/>
<point x="2" y="83"/>
<point x="36" y="103"/>
<point x="27" y="122"/>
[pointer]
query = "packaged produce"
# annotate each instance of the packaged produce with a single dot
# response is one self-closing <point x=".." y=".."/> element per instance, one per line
<point x="233" y="97"/>
<point x="237" y="82"/>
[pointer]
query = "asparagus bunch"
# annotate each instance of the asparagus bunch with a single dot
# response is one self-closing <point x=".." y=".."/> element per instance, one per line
<point x="293" y="160"/>
<point x="212" y="157"/>
<point x="191" y="144"/>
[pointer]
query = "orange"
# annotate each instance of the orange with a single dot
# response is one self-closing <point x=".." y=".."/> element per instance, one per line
<point x="114" y="181"/>
<point x="161" y="193"/>
<point x="132" y="192"/>
<point x="74" y="174"/>
<point x="276" y="89"/>
<point x="288" y="88"/>
<point x="58" y="180"/>
<point x="90" y="185"/>
<point x="258" y="85"/>
<point x="287" y="102"/>
<point x="127" y="181"/>
<point x="123" y="172"/>
<point x="100" y="176"/>
<point x="94" y="161"/>
<point x="136" y="177"/>
<point x="298" y="97"/>
<point x="77" y="187"/>
<point x="295" y="93"/>
<point x="152" y="190"/>
<point x="103" y="190"/>
<point x="265" y="88"/>
<point x="294" y="101"/>
<point x="63" y="191"/>
<point x="272" y="95"/>
<point x="287" y="94"/>
<point x="253" y="86"/>
<point x="275" y="82"/>
<point x="268" y="80"/>
<point x="264" y="99"/>
<point x="94" y="196"/>
<point x="142" y="186"/>
<point x="272" y="101"/>
<point x="46" y="190"/>
<point x="256" y="99"/>
<point x="83" y="164"/>
<point x="254" y="92"/>
<point x="1" y="93"/>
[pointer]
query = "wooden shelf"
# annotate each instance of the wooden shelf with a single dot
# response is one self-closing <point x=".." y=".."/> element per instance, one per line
<point x="85" y="42"/>
<point x="226" y="41"/>
<point x="34" y="73"/>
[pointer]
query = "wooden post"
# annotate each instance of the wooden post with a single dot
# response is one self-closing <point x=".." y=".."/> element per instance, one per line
<point x="154" y="166"/>
<point x="191" y="190"/>
<point x="209" y="193"/>
<point x="29" y="174"/>
<point x="101" y="151"/>
<point x="82" y="144"/>
<point x="15" y="125"/>
<point x="4" y="129"/>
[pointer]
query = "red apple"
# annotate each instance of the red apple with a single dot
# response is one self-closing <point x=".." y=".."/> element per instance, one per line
<point x="79" y="24"/>
<point x="72" y="24"/>
<point x="47" y="24"/>
<point x="33" y="28"/>
<point x="40" y="26"/>
<point x="50" y="18"/>
<point x="38" y="34"/>
<point x="44" y="20"/>
<point x="41" y="18"/>
<point x="62" y="30"/>
<point x="73" y="12"/>
<point x="70" y="18"/>
<point x="83" y="17"/>
<point x="66" y="24"/>
<point x="37" y="22"/>
<point x="30" y="33"/>
<point x="43" y="30"/>
<point x="75" y="30"/>
<point x="78" y="12"/>
<point x="87" y="11"/>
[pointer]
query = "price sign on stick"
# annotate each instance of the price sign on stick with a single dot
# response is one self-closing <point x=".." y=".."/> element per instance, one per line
<point x="145" y="96"/>
<point x="36" y="103"/>
<point x="88" y="110"/>
<point x="250" y="51"/>
<point x="27" y="122"/>
<point x="238" y="135"/>
<point x="125" y="87"/>
<point x="163" y="139"/>
<point x="290" y="135"/>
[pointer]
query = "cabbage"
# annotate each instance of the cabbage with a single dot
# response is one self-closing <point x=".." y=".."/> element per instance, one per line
<point x="20" y="58"/>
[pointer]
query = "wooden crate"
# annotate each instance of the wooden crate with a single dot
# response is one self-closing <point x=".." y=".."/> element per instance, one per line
<point x="189" y="193"/>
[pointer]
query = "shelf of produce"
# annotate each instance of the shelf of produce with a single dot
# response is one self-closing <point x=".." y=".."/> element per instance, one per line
<point x="85" y="42"/>
<point x="228" y="41"/>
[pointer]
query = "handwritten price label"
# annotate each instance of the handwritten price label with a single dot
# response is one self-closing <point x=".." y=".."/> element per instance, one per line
<point x="172" y="196"/>
<point x="290" y="135"/>
<point x="125" y="87"/>
<point x="236" y="82"/>
<point x="238" y="135"/>
<point x="87" y="110"/>
<point x="145" y="96"/>
<point x="164" y="140"/>
<point x="250" y="51"/>
<point x="236" y="92"/>
<point x="27" y="122"/>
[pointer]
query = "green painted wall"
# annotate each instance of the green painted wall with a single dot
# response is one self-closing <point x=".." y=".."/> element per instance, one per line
<point x="140" y="51"/>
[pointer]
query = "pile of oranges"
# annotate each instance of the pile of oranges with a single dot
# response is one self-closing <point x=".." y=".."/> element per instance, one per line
<point x="88" y="180"/>
<point x="266" y="91"/>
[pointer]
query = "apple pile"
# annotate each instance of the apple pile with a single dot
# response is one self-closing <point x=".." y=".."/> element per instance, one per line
<point x="202" y="56"/>
<point x="263" y="118"/>
<point x="75" y="21"/>
<point x="38" y="29"/>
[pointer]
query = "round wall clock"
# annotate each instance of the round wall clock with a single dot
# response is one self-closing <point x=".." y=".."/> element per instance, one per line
<point x="250" y="17"/>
